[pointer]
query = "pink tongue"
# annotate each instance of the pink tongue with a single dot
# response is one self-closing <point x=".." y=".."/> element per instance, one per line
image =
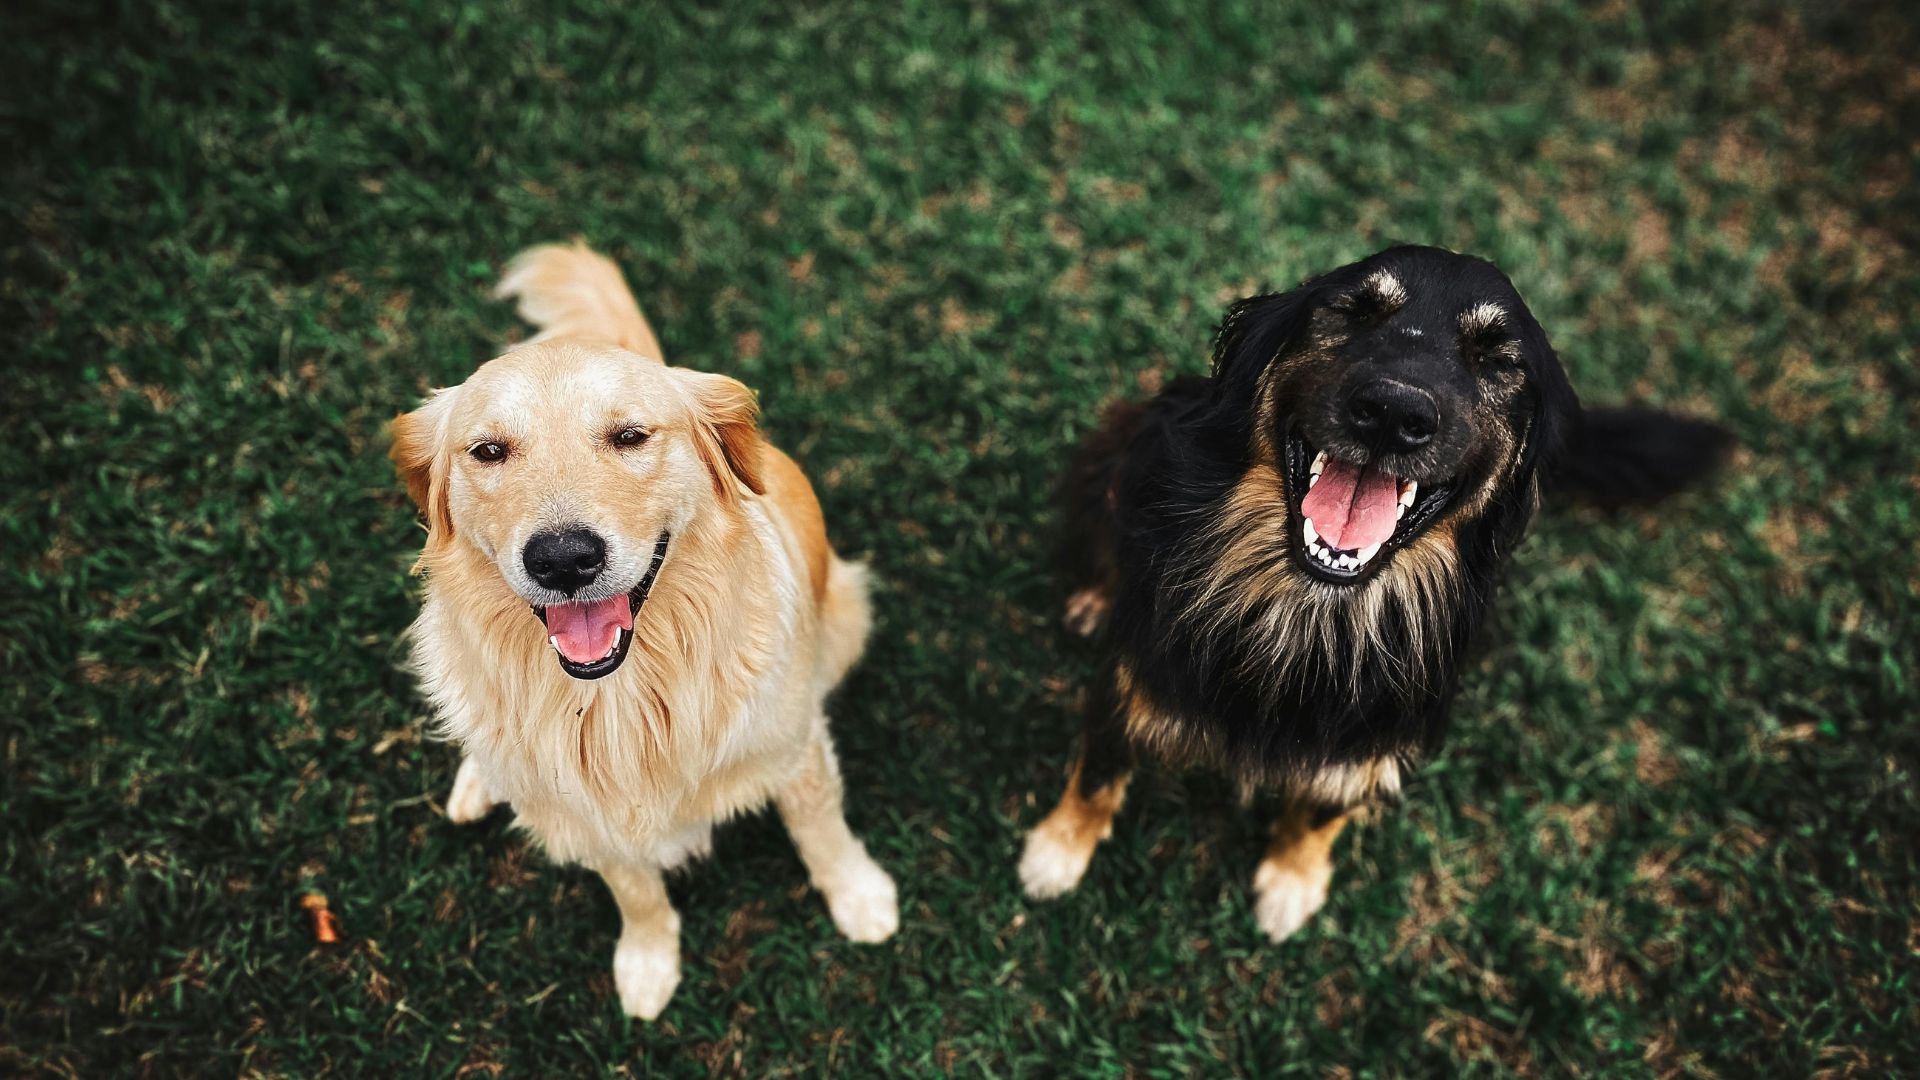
<point x="585" y="631"/>
<point x="1353" y="506"/>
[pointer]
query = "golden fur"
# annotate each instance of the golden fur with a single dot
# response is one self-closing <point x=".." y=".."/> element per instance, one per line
<point x="752" y="619"/>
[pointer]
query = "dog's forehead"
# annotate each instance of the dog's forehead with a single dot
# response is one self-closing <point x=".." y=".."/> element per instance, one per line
<point x="1433" y="290"/>
<point x="541" y="384"/>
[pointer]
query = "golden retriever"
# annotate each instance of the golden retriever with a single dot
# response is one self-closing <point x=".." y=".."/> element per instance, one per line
<point x="632" y="615"/>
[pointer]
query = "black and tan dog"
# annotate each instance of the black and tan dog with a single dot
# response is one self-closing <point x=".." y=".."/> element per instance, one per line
<point x="1288" y="560"/>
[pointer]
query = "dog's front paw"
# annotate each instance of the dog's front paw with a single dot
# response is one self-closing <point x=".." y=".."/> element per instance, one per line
<point x="1055" y="859"/>
<point x="646" y="973"/>
<point x="1287" y="896"/>
<point x="863" y="902"/>
<point x="470" y="800"/>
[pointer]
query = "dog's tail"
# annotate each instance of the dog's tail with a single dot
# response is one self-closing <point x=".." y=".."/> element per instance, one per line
<point x="573" y="291"/>
<point x="1635" y="455"/>
<point x="845" y="617"/>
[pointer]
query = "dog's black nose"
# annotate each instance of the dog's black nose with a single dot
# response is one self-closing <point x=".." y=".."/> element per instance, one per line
<point x="1392" y="417"/>
<point x="565" y="560"/>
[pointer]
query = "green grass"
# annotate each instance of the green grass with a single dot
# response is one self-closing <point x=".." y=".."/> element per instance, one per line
<point x="1674" y="832"/>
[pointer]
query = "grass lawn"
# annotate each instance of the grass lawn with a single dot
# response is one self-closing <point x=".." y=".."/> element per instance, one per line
<point x="1675" y="830"/>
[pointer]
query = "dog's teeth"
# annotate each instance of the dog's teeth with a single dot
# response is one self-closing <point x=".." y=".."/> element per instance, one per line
<point x="1400" y="513"/>
<point x="1313" y="536"/>
<point x="554" y="640"/>
<point x="1367" y="553"/>
<point x="1319" y="465"/>
<point x="1408" y="492"/>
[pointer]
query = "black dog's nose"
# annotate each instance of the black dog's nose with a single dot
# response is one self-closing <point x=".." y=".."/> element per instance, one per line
<point x="1392" y="417"/>
<point x="565" y="560"/>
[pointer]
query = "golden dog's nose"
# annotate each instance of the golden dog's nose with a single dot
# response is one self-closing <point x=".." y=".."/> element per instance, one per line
<point x="565" y="560"/>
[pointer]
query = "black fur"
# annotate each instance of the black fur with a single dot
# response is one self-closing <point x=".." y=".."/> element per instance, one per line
<point x="1144" y="497"/>
<point x="1627" y="455"/>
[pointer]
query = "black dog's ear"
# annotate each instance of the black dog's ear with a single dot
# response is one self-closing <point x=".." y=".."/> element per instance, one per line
<point x="1556" y="411"/>
<point x="1255" y="331"/>
<point x="1552" y="412"/>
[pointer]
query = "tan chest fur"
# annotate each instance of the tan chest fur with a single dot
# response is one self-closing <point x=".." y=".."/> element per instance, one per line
<point x="704" y="721"/>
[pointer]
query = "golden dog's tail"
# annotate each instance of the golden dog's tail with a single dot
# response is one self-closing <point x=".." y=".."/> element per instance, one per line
<point x="573" y="291"/>
<point x="845" y="617"/>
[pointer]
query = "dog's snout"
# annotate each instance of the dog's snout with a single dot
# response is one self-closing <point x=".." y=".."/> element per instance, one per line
<point x="1392" y="417"/>
<point x="565" y="560"/>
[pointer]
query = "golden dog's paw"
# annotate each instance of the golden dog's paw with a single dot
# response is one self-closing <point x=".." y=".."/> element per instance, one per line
<point x="1054" y="861"/>
<point x="469" y="800"/>
<point x="646" y="974"/>
<point x="1286" y="897"/>
<point x="1086" y="612"/>
<point x="864" y="903"/>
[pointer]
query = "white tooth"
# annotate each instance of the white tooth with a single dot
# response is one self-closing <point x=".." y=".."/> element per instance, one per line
<point x="1306" y="526"/>
<point x="1367" y="553"/>
<point x="1319" y="465"/>
<point x="1407" y="493"/>
<point x="1400" y="513"/>
<point x="554" y="640"/>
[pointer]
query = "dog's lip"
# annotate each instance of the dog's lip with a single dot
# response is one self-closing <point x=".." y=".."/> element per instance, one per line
<point x="636" y="597"/>
<point x="1429" y="500"/>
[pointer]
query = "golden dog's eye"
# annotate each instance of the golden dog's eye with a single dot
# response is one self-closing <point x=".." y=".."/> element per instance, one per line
<point x="627" y="438"/>
<point x="488" y="451"/>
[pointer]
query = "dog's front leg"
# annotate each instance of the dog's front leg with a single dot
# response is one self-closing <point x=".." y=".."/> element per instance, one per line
<point x="1291" y="883"/>
<point x="646" y="963"/>
<point x="471" y="798"/>
<point x="860" y="895"/>
<point x="1060" y="847"/>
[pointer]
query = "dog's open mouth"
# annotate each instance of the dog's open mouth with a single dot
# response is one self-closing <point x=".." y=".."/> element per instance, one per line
<point x="1352" y="516"/>
<point x="591" y="637"/>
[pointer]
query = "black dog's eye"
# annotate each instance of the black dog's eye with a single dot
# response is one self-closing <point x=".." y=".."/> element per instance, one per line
<point x="1360" y="306"/>
<point x="1491" y="347"/>
<point x="489" y="451"/>
<point x="1381" y="294"/>
<point x="627" y="438"/>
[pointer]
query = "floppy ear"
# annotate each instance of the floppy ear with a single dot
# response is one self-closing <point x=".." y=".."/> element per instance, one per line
<point x="1557" y="410"/>
<point x="422" y="459"/>
<point x="725" y="431"/>
<point x="1255" y="331"/>
<point x="1554" y="410"/>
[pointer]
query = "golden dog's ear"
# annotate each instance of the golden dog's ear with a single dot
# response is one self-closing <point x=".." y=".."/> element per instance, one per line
<point x="724" y="428"/>
<point x="421" y="457"/>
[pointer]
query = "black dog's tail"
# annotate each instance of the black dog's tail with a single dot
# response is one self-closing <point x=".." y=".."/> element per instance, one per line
<point x="1632" y="455"/>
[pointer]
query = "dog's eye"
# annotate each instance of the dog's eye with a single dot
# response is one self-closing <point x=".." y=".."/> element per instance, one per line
<point x="488" y="451"/>
<point x="627" y="438"/>
<point x="1360" y="305"/>
<point x="1491" y="347"/>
